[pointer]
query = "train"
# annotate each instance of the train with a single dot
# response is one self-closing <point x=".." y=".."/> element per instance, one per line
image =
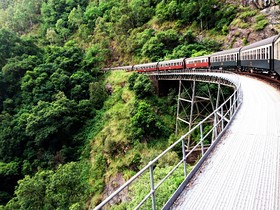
<point x="260" y="57"/>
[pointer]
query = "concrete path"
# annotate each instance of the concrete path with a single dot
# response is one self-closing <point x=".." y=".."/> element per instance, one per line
<point x="243" y="172"/>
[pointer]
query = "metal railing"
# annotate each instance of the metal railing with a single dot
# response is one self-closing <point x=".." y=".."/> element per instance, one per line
<point x="222" y="116"/>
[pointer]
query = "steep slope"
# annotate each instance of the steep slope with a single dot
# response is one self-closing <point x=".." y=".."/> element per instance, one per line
<point x="52" y="91"/>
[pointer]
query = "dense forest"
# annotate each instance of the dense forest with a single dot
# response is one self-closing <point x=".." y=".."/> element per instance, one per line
<point x="67" y="129"/>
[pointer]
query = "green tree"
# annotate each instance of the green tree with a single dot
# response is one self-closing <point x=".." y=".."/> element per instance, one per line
<point x="11" y="46"/>
<point x="49" y="189"/>
<point x="75" y="18"/>
<point x="145" y="124"/>
<point x="15" y="69"/>
<point x="50" y="120"/>
<point x="31" y="192"/>
<point x="9" y="174"/>
<point x="162" y="44"/>
<point x="137" y="39"/>
<point x="21" y="16"/>
<point x="141" y="12"/>
<point x="97" y="94"/>
<point x="66" y="187"/>
<point x="143" y="86"/>
<point x="153" y="49"/>
<point x="167" y="11"/>
<point x="91" y="14"/>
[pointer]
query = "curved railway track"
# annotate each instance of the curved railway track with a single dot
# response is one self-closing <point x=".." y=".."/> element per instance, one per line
<point x="273" y="82"/>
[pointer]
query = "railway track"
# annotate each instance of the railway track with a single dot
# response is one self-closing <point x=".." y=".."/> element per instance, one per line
<point x="273" y="82"/>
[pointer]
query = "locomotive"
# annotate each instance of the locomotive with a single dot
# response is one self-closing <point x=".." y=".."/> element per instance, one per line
<point x="262" y="57"/>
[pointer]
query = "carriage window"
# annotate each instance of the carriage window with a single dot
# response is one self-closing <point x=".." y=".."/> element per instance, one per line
<point x="278" y="50"/>
<point x="267" y="53"/>
<point x="263" y="54"/>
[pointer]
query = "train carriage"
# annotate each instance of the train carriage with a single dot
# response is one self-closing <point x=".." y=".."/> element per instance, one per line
<point x="172" y="64"/>
<point x="277" y="55"/>
<point x="146" y="67"/>
<point x="258" y="56"/>
<point x="198" y="62"/>
<point x="226" y="59"/>
<point x="125" y="68"/>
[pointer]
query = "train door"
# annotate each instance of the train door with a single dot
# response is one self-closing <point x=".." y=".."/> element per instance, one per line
<point x="271" y="58"/>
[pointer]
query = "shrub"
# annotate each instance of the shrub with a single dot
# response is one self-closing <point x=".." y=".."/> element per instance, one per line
<point x="260" y="17"/>
<point x="145" y="123"/>
<point x="143" y="86"/>
<point x="249" y="13"/>
<point x="132" y="80"/>
<point x="260" y="25"/>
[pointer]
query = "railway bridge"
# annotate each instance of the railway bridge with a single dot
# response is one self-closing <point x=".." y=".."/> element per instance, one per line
<point x="241" y="167"/>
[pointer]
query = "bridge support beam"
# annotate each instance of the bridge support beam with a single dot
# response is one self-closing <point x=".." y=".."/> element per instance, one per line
<point x="191" y="105"/>
<point x="215" y="124"/>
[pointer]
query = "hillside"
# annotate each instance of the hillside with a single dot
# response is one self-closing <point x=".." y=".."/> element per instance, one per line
<point x="70" y="134"/>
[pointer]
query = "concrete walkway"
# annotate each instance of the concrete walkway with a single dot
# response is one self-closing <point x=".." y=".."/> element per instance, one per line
<point x="243" y="172"/>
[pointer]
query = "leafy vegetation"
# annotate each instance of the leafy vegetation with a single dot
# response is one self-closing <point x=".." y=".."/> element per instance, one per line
<point x="66" y="129"/>
<point x="261" y="22"/>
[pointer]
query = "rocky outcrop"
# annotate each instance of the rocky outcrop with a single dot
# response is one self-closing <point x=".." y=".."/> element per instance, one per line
<point x="109" y="88"/>
<point x="273" y="16"/>
<point x="239" y="37"/>
<point x="260" y="4"/>
<point x="114" y="183"/>
<point x="245" y="32"/>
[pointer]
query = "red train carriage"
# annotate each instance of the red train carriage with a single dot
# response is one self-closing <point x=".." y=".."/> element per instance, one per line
<point x="172" y="64"/>
<point x="198" y="62"/>
<point x="146" y="67"/>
